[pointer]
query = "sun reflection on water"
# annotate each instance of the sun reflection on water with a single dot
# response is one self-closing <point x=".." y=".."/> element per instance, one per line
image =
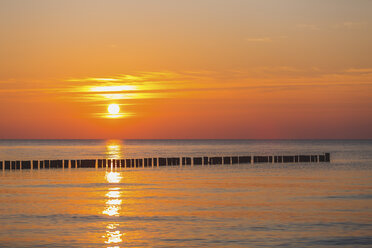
<point x="112" y="210"/>
<point x="113" y="177"/>
<point x="113" y="236"/>
<point x="114" y="149"/>
<point x="113" y="194"/>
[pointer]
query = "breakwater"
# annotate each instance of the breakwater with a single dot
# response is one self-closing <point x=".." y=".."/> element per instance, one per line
<point x="162" y="161"/>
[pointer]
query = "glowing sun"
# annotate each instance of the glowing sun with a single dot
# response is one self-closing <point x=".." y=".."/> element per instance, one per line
<point x="113" y="109"/>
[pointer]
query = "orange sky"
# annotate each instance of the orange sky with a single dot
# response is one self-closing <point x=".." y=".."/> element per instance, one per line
<point x="262" y="69"/>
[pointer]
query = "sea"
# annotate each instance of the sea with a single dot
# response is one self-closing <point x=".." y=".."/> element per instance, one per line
<point x="239" y="205"/>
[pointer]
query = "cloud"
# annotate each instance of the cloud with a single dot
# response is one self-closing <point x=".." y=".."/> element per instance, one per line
<point x="259" y="39"/>
<point x="274" y="69"/>
<point x="308" y="26"/>
<point x="167" y="84"/>
<point x="352" y="25"/>
<point x="344" y="25"/>
<point x="359" y="70"/>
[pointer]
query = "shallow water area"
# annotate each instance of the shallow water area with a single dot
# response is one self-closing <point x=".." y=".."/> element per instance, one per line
<point x="246" y="205"/>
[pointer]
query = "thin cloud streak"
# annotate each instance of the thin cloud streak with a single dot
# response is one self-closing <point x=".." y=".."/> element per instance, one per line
<point x="159" y="82"/>
<point x="260" y="39"/>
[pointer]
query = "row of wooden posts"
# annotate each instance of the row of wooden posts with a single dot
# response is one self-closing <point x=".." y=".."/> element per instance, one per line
<point x="154" y="162"/>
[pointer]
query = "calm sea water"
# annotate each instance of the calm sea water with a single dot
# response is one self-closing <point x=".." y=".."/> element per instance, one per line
<point x="265" y="205"/>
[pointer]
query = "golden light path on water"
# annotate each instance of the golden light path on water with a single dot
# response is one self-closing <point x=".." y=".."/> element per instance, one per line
<point x="113" y="149"/>
<point x="113" y="237"/>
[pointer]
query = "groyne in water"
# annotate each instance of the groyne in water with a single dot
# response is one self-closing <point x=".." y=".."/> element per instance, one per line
<point x="161" y="161"/>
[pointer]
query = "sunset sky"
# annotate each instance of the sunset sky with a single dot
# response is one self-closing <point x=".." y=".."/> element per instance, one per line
<point x="254" y="69"/>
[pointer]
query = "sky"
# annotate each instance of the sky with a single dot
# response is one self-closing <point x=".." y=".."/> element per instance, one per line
<point x="193" y="69"/>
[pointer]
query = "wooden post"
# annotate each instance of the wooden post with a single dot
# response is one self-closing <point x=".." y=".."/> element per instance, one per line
<point x="327" y="157"/>
<point x="288" y="159"/>
<point x="321" y="158"/>
<point x="188" y="160"/>
<point x="149" y="162"/>
<point x="304" y="158"/>
<point x="35" y="164"/>
<point x="205" y="160"/>
<point x="198" y="161"/>
<point x="26" y="165"/>
<point x="88" y="163"/>
<point x="162" y="161"/>
<point x="226" y="160"/>
<point x="244" y="159"/>
<point x="127" y="163"/>
<point x="234" y="160"/>
<point x="261" y="159"/>
<point x="280" y="159"/>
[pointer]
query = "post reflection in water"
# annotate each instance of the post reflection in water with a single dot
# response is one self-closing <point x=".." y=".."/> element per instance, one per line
<point x="113" y="236"/>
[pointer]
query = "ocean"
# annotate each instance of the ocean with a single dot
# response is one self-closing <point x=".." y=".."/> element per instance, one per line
<point x="243" y="205"/>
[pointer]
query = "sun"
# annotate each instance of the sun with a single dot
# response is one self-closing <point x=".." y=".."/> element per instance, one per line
<point x="113" y="109"/>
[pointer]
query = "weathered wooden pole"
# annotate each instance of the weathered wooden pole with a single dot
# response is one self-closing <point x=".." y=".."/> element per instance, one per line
<point x="65" y="163"/>
<point x="244" y="159"/>
<point x="198" y="161"/>
<point x="234" y="160"/>
<point x="149" y="162"/>
<point x="296" y="158"/>
<point x="304" y="158"/>
<point x="26" y="165"/>
<point x="327" y="157"/>
<point x="188" y="160"/>
<point x="35" y="164"/>
<point x="288" y="159"/>
<point x="162" y="161"/>
<point x="226" y="160"/>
